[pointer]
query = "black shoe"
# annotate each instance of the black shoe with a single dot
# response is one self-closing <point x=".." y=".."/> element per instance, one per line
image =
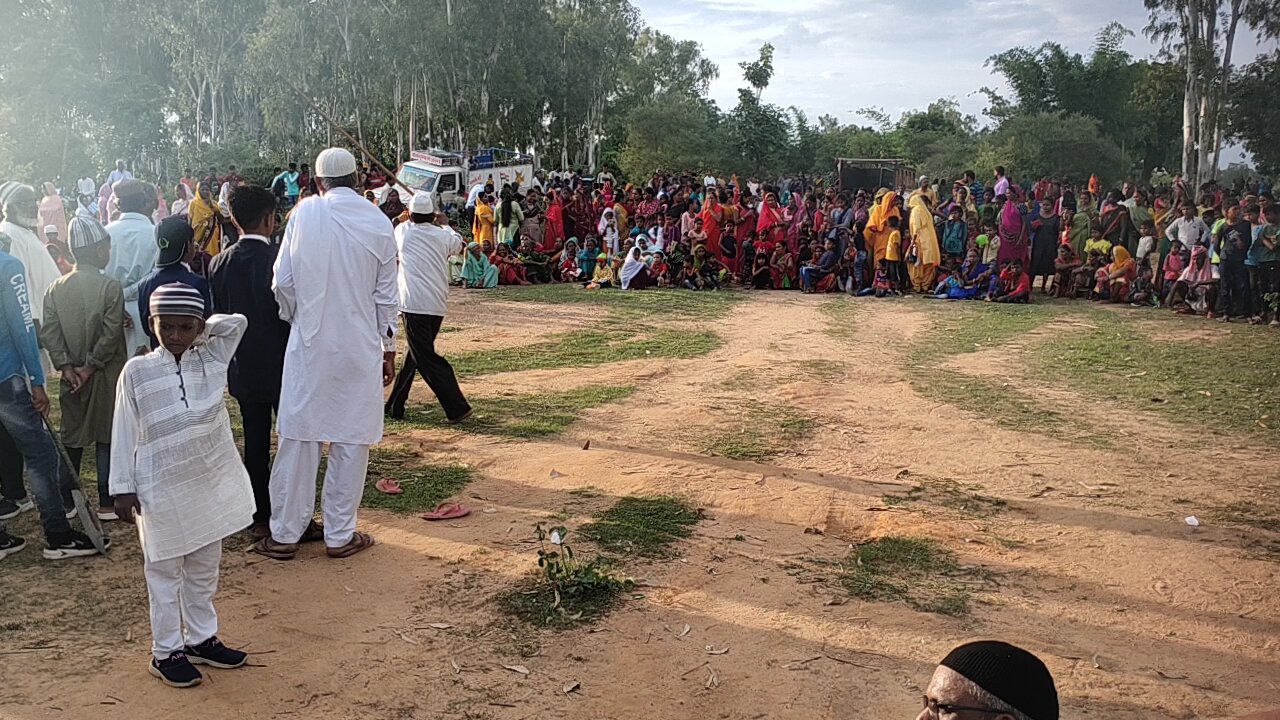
<point x="10" y="544"/>
<point x="176" y="671"/>
<point x="73" y="544"/>
<point x="213" y="653"/>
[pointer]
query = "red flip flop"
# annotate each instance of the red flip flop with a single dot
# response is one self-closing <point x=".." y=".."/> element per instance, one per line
<point x="447" y="511"/>
<point x="388" y="486"/>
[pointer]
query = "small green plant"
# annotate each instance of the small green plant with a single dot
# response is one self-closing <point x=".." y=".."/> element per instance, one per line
<point x="918" y="572"/>
<point x="643" y="526"/>
<point x="569" y="590"/>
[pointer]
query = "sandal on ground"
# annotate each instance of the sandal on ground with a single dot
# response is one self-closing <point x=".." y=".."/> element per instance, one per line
<point x="359" y="541"/>
<point x="461" y="418"/>
<point x="268" y="547"/>
<point x="447" y="511"/>
<point x="313" y="533"/>
<point x="388" y="486"/>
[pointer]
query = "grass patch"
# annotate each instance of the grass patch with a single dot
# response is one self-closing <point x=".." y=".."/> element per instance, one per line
<point x="840" y="313"/>
<point x="588" y="349"/>
<point x="645" y="526"/>
<point x="918" y="572"/>
<point x="952" y="495"/>
<point x="673" y="304"/>
<point x="1227" y="385"/>
<point x="1258" y="514"/>
<point x="425" y="485"/>
<point x="764" y="432"/>
<point x="824" y="370"/>
<point x="566" y="591"/>
<point x="969" y="327"/>
<point x="521" y="416"/>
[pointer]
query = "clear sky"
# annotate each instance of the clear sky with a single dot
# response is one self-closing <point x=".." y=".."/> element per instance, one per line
<point x="837" y="56"/>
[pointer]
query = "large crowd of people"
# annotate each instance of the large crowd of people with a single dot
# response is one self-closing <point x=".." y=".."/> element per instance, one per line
<point x="290" y="296"/>
<point x="1211" y="252"/>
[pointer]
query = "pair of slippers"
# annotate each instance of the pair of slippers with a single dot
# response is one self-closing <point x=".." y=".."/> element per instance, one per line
<point x="443" y="511"/>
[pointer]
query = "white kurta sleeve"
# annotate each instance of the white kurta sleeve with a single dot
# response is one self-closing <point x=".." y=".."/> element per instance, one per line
<point x="387" y="298"/>
<point x="124" y="438"/>
<point x="282" y="280"/>
<point x="223" y="335"/>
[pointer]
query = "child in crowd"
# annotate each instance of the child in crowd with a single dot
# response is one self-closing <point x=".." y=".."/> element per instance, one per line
<point x="782" y="267"/>
<point x="1015" y="285"/>
<point x="659" y="270"/>
<point x="709" y="267"/>
<point x="1083" y="277"/>
<point x="748" y="256"/>
<point x="1147" y="242"/>
<point x="893" y="253"/>
<point x="761" y="273"/>
<point x="1173" y="265"/>
<point x="955" y="234"/>
<point x="83" y="331"/>
<point x="989" y="245"/>
<point x="690" y="278"/>
<point x="1097" y="243"/>
<point x="884" y="284"/>
<point x="1142" y="292"/>
<point x="184" y="503"/>
<point x="729" y="247"/>
<point x="570" y="272"/>
<point x="1064" y="267"/>
<point x="847" y="271"/>
<point x="603" y="276"/>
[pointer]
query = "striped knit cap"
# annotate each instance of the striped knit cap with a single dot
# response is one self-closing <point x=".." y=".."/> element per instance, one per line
<point x="177" y="299"/>
<point x="86" y="231"/>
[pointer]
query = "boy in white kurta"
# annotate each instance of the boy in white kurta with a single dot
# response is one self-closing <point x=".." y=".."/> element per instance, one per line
<point x="176" y="472"/>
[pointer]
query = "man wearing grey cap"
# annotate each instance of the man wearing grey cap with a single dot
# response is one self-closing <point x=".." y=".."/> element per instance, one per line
<point x="335" y="282"/>
<point x="133" y="252"/>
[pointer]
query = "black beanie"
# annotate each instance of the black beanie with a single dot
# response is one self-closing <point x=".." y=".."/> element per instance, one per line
<point x="1010" y="673"/>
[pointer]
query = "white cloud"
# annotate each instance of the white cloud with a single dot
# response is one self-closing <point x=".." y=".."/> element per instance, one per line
<point x="836" y="56"/>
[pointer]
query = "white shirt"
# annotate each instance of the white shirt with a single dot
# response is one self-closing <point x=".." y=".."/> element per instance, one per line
<point x="118" y="175"/>
<point x="1188" y="232"/>
<point x="171" y="444"/>
<point x="335" y="282"/>
<point x="474" y="194"/>
<point x="1002" y="187"/>
<point x="133" y="255"/>
<point x="86" y="186"/>
<point x="41" y="269"/>
<point x="1145" y="245"/>
<point x="423" y="276"/>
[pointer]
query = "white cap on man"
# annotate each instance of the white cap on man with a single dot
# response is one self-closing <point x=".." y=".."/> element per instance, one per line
<point x="50" y="229"/>
<point x="335" y="163"/>
<point x="422" y="204"/>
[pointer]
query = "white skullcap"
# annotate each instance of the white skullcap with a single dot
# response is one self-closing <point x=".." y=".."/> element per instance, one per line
<point x="422" y="204"/>
<point x="335" y="163"/>
<point x="50" y="229"/>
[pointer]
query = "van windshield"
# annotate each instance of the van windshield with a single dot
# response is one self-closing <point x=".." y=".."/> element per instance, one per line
<point x="417" y="178"/>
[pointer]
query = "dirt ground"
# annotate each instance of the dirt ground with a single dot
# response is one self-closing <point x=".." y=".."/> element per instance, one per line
<point x="1089" y="563"/>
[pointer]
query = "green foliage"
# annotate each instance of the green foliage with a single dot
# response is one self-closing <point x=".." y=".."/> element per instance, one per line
<point x="1253" y="111"/>
<point x="645" y="526"/>
<point x="568" y="591"/>
<point x="1048" y="143"/>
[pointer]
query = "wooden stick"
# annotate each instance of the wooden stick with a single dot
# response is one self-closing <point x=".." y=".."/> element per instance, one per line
<point x="391" y="177"/>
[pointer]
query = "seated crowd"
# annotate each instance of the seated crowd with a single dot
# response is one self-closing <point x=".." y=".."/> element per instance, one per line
<point x="1155" y="247"/>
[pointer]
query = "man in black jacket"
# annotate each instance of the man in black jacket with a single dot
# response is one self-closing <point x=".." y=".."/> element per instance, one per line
<point x="240" y="278"/>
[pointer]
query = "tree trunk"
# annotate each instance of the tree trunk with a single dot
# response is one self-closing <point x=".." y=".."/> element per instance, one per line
<point x="1224" y="77"/>
<point x="1191" y="89"/>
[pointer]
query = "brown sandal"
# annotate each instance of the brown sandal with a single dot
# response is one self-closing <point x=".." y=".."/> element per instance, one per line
<point x="268" y="547"/>
<point x="313" y="533"/>
<point x="359" y="542"/>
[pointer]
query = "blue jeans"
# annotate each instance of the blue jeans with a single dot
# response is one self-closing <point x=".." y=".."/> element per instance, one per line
<point x="51" y="480"/>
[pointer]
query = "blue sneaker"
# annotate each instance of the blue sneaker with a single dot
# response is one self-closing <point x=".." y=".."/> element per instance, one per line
<point x="176" y="670"/>
<point x="213" y="653"/>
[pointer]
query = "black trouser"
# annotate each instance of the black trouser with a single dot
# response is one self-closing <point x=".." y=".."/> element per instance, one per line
<point x="1233" y="290"/>
<point x="1262" y="280"/>
<point x="421" y="331"/>
<point x="256" y="420"/>
<point x="11" y="487"/>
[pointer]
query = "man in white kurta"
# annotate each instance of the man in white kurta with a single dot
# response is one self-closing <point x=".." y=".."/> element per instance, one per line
<point x="133" y="253"/>
<point x="174" y="462"/>
<point x="335" y="282"/>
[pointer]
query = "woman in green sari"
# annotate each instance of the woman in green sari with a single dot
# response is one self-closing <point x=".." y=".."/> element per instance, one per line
<point x="1081" y="222"/>
<point x="477" y="271"/>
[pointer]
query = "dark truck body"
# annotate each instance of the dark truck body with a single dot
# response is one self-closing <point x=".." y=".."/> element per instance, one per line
<point x="869" y="174"/>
